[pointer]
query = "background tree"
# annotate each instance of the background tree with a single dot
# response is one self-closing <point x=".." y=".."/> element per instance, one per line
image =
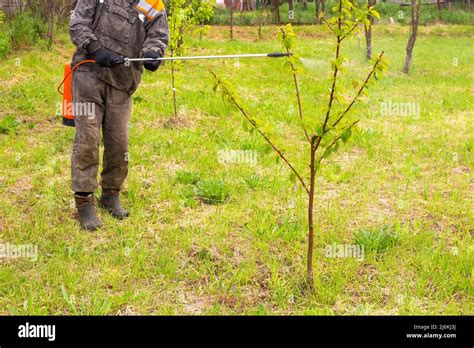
<point x="54" y="12"/>
<point x="276" y="11"/>
<point x="202" y="13"/>
<point x="319" y="4"/>
<point x="368" y="30"/>
<point x="415" y="19"/>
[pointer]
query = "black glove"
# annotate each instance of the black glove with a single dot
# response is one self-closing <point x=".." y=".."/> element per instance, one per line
<point x="107" y="59"/>
<point x="152" y="65"/>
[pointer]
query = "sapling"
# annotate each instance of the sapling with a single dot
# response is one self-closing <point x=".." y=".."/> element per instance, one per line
<point x="203" y="11"/>
<point x="182" y="17"/>
<point x="178" y="20"/>
<point x="324" y="132"/>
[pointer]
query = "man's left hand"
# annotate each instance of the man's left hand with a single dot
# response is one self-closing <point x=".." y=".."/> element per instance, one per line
<point x="152" y="65"/>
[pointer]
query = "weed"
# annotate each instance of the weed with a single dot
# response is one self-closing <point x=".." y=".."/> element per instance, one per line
<point x="376" y="240"/>
<point x="212" y="191"/>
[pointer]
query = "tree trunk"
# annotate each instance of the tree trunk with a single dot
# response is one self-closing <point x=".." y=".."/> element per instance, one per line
<point x="439" y="9"/>
<point x="415" y="18"/>
<point x="368" y="32"/>
<point x="51" y="29"/>
<point x="276" y="8"/>
<point x="368" y="41"/>
<point x="290" y="10"/>
<point x="260" y="23"/>
<point x="173" y="85"/>
<point x="232" y="21"/>
<point x="309" y="260"/>
<point x="317" y="5"/>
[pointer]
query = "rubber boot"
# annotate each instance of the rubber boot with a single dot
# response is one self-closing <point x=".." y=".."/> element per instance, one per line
<point x="110" y="201"/>
<point x="86" y="211"/>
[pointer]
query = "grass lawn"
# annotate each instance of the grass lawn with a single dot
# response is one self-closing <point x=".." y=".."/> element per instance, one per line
<point x="410" y="173"/>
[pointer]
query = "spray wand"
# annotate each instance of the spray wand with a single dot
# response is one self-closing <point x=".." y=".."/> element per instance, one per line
<point x="127" y="61"/>
<point x="68" y="116"/>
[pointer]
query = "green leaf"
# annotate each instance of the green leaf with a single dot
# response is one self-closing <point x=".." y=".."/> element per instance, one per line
<point x="245" y="125"/>
<point x="267" y="149"/>
<point x="346" y="135"/>
<point x="317" y="165"/>
<point x="319" y="130"/>
<point x="293" y="177"/>
<point x="326" y="153"/>
<point x="375" y="13"/>
<point x="355" y="84"/>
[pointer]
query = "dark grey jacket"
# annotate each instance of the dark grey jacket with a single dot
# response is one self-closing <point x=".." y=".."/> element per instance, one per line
<point x="120" y="27"/>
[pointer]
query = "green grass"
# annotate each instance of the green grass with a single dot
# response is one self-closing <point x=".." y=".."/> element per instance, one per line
<point x="178" y="254"/>
<point x="377" y="240"/>
<point x="213" y="191"/>
<point x="9" y="124"/>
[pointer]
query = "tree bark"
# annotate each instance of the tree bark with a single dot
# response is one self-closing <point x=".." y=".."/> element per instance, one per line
<point x="290" y="10"/>
<point x="173" y="86"/>
<point x="52" y="18"/>
<point x="276" y="9"/>
<point x="415" y="18"/>
<point x="320" y="8"/>
<point x="368" y="32"/>
<point x="232" y="21"/>
<point x="309" y="260"/>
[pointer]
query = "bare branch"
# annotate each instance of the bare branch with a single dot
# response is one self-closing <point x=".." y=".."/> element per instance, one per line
<point x="254" y="124"/>
<point x="297" y="90"/>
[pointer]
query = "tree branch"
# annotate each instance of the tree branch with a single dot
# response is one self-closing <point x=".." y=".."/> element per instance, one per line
<point x="329" y="25"/>
<point x="297" y="90"/>
<point x="254" y="124"/>
<point x="337" y="139"/>
<point x="350" y="31"/>
<point x="334" y="78"/>
<point x="360" y="89"/>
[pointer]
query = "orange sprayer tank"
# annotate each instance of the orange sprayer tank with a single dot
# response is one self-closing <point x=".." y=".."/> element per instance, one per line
<point x="67" y="107"/>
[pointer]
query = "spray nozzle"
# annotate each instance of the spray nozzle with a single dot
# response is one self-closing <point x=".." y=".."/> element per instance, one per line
<point x="279" y="54"/>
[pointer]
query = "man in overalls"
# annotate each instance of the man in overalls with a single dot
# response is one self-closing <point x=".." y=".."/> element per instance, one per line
<point x="107" y="31"/>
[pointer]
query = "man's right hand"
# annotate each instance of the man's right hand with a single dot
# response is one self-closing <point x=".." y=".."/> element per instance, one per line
<point x="107" y="59"/>
<point x="104" y="57"/>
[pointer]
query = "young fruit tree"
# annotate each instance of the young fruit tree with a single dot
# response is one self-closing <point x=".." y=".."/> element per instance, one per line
<point x="325" y="132"/>
<point x="183" y="16"/>
<point x="202" y="13"/>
